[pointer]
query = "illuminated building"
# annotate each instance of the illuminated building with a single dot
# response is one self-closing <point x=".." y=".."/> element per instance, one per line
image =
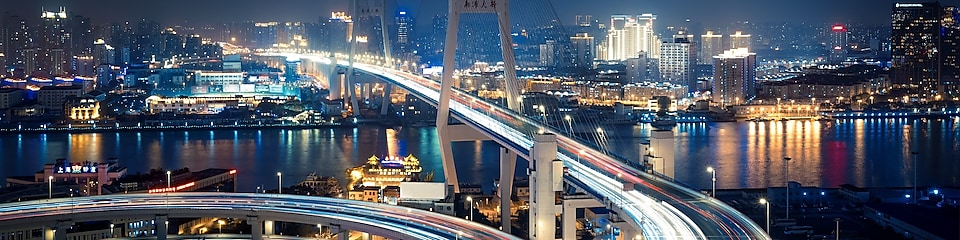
<point x="838" y="43"/>
<point x="710" y="45"/>
<point x="404" y="31"/>
<point x="582" y="47"/>
<point x="83" y="108"/>
<point x="739" y="40"/>
<point x="265" y="34"/>
<point x="92" y="174"/>
<point x="549" y="54"/>
<point x="677" y="58"/>
<point x="388" y="171"/>
<point x="53" y="97"/>
<point x="172" y="43"/>
<point x="53" y="43"/>
<point x="916" y="54"/>
<point x="642" y="69"/>
<point x="204" y="105"/>
<point x="10" y="97"/>
<point x="950" y="47"/>
<point x="219" y="78"/>
<point x="734" y="77"/>
<point x="630" y="35"/>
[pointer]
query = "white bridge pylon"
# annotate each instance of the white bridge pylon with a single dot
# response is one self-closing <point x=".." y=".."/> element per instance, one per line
<point x="367" y="8"/>
<point x="457" y="8"/>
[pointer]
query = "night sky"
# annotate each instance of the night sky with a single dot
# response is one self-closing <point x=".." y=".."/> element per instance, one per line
<point x="669" y="11"/>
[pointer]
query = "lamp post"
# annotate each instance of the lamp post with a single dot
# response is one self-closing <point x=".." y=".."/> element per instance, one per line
<point x="168" y="180"/>
<point x="279" y="182"/>
<point x="470" y="199"/>
<point x="569" y="122"/>
<point x="50" y="187"/>
<point x="767" y="205"/>
<point x="837" y="233"/>
<point x="220" y="226"/>
<point x="786" y="163"/>
<point x="713" y="191"/>
<point x="914" y="195"/>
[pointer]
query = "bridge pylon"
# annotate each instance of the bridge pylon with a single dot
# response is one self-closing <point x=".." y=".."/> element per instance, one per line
<point x="366" y="8"/>
<point x="457" y="8"/>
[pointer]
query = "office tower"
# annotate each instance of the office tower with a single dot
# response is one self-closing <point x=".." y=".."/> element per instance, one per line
<point x="340" y="29"/>
<point x="172" y="43"/>
<point x="582" y="47"/>
<point x="264" y="34"/>
<point x="950" y="48"/>
<point x="711" y="45"/>
<point x="630" y="35"/>
<point x="642" y="69"/>
<point x="81" y="30"/>
<point x="915" y="38"/>
<point x="838" y="43"/>
<point x="676" y="60"/>
<point x="54" y="39"/>
<point x="192" y="45"/>
<point x="17" y="35"/>
<point x="734" y="77"/>
<point x="549" y="54"/>
<point x="739" y="40"/>
<point x="405" y="25"/>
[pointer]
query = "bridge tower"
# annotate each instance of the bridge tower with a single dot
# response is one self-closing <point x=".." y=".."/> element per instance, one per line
<point x="457" y="8"/>
<point x="367" y="8"/>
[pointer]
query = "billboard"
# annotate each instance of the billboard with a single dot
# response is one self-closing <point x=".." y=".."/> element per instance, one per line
<point x="422" y="191"/>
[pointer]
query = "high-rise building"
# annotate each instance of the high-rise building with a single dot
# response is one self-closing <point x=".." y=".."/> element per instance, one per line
<point x="548" y="54"/>
<point x="17" y="37"/>
<point x="677" y="58"/>
<point x="54" y="43"/>
<point x="582" y="46"/>
<point x="264" y="34"/>
<point x="172" y="43"/>
<point x="734" y="77"/>
<point x="950" y="48"/>
<point x="739" y="40"/>
<point x="584" y="20"/>
<point x="642" y="69"/>
<point x="630" y="35"/>
<point x="404" y="32"/>
<point x="838" y="43"/>
<point x="710" y="45"/>
<point x="915" y="52"/>
<point x="340" y="29"/>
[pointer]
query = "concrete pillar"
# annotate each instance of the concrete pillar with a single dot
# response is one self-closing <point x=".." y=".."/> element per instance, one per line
<point x="508" y="164"/>
<point x="569" y="221"/>
<point x="256" y="228"/>
<point x="385" y="103"/>
<point x="60" y="230"/>
<point x="268" y="226"/>
<point x="333" y="80"/>
<point x="161" y="225"/>
<point x="662" y="148"/>
<point x="542" y="194"/>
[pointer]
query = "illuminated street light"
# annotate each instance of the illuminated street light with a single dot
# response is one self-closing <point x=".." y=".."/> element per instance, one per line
<point x="279" y="182"/>
<point x="713" y="191"/>
<point x="50" y="187"/>
<point x="168" y="180"/>
<point x="470" y="199"/>
<point x="767" y="204"/>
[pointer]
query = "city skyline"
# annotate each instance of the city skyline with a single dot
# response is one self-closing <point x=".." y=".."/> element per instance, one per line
<point x="670" y="14"/>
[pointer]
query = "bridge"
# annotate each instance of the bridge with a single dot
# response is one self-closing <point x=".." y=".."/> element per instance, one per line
<point x="339" y="215"/>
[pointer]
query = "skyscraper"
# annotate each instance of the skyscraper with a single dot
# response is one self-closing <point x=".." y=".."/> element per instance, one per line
<point x="838" y="43"/>
<point x="950" y="47"/>
<point x="915" y="40"/>
<point x="734" y="77"/>
<point x="711" y="45"/>
<point x="582" y="46"/>
<point x="676" y="60"/>
<point x="54" y="40"/>
<point x="630" y="35"/>
<point x="404" y="32"/>
<point x="739" y="40"/>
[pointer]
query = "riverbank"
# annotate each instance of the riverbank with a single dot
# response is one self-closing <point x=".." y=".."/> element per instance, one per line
<point x="118" y="128"/>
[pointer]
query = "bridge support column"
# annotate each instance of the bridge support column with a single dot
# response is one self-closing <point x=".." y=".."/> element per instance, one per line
<point x="161" y="224"/>
<point x="508" y="164"/>
<point x="569" y="216"/>
<point x="256" y="228"/>
<point x="545" y="171"/>
<point x="333" y="81"/>
<point x="342" y="234"/>
<point x="662" y="149"/>
<point x="385" y="103"/>
<point x="60" y="230"/>
<point x="268" y="226"/>
<point x="350" y="80"/>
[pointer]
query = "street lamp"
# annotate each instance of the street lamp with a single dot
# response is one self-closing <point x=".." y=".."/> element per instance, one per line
<point x="279" y="182"/>
<point x="220" y="226"/>
<point x="713" y="191"/>
<point x="569" y="122"/>
<point x="168" y="180"/>
<point x="50" y="187"/>
<point x="837" y="233"/>
<point x="766" y="204"/>
<point x="786" y="163"/>
<point x="470" y="199"/>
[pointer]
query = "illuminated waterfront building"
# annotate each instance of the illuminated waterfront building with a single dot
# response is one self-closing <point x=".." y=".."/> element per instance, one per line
<point x="710" y="45"/>
<point x="924" y="46"/>
<point x="838" y="43"/>
<point x="677" y="58"/>
<point x="582" y="47"/>
<point x="386" y="171"/>
<point x="734" y="77"/>
<point x="630" y="35"/>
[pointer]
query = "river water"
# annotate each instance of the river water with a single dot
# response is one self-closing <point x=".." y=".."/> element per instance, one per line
<point x="870" y="153"/>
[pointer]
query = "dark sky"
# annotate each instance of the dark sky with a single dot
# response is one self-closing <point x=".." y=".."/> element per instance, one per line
<point x="670" y="12"/>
